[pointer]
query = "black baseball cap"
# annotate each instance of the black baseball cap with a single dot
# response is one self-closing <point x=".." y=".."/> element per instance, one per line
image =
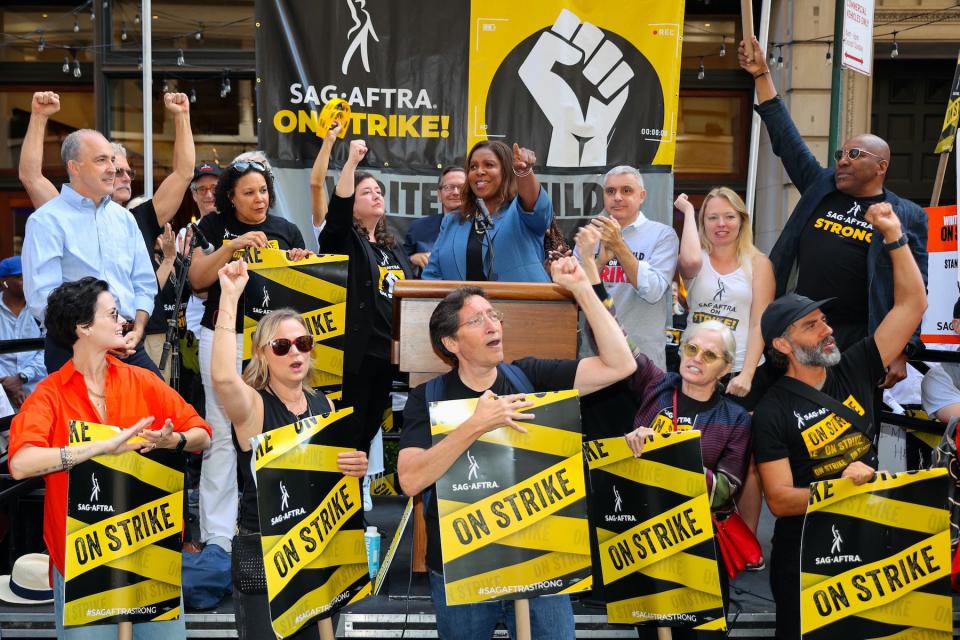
<point x="784" y="311"/>
<point x="206" y="169"/>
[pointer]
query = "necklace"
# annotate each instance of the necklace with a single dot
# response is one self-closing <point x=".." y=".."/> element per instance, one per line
<point x="296" y="403"/>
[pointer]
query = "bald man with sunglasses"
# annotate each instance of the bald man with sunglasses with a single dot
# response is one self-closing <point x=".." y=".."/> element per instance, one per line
<point x="827" y="247"/>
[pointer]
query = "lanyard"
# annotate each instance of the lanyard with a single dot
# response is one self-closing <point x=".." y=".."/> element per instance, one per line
<point x="674" y="417"/>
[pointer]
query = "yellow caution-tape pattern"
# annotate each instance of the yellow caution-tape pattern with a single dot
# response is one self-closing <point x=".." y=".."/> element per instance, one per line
<point x="654" y="532"/>
<point x="124" y="526"/>
<point x="316" y="287"/>
<point x="513" y="507"/>
<point x="311" y="521"/>
<point x="875" y="560"/>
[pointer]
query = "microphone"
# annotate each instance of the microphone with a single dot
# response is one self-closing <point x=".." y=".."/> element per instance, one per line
<point x="485" y="222"/>
<point x="200" y="240"/>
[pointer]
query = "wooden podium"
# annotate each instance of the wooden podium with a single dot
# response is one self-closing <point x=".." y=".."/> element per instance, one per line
<point x="539" y="320"/>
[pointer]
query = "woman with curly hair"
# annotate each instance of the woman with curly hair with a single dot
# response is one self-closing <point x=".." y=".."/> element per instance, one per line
<point x="356" y="227"/>
<point x="244" y="196"/>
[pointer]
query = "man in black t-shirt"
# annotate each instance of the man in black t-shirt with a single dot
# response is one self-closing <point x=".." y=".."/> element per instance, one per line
<point x="798" y="440"/>
<point x="827" y="246"/>
<point x="466" y="330"/>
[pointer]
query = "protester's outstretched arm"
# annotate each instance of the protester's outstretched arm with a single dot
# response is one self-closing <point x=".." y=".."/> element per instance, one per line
<point x="169" y="195"/>
<point x="614" y="361"/>
<point x="528" y="187"/>
<point x="909" y="294"/>
<point x="690" y="260"/>
<point x="318" y="176"/>
<point x="168" y="245"/>
<point x="358" y="149"/>
<point x="757" y="67"/>
<point x="38" y="188"/>
<point x="240" y="402"/>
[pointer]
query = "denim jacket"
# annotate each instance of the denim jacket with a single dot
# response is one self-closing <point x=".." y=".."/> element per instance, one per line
<point x="814" y="183"/>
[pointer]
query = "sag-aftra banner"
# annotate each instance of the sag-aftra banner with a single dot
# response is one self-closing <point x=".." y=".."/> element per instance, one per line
<point x="513" y="516"/>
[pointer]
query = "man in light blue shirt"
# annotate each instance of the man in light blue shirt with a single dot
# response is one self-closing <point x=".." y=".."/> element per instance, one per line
<point x="82" y="232"/>
<point x="21" y="371"/>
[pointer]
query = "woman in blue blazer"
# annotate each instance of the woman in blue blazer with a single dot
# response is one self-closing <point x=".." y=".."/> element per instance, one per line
<point x="498" y="233"/>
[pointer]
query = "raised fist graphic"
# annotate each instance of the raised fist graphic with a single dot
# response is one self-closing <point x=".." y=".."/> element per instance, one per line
<point x="570" y="42"/>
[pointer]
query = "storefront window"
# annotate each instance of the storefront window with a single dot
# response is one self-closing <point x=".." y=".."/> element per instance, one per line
<point x="711" y="134"/>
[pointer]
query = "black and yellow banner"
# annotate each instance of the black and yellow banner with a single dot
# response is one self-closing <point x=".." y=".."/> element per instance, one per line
<point x="948" y="134"/>
<point x="513" y="517"/>
<point x="124" y="526"/>
<point x="385" y="485"/>
<point x="315" y="287"/>
<point x="654" y="532"/>
<point x="311" y="521"/>
<point x="875" y="560"/>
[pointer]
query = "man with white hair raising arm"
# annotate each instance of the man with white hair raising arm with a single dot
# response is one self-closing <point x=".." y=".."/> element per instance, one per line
<point x="637" y="259"/>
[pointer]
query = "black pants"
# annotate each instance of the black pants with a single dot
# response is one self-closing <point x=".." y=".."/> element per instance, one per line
<point x="56" y="355"/>
<point x="368" y="392"/>
<point x="785" y="575"/>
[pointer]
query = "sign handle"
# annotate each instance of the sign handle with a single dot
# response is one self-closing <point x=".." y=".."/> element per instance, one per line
<point x="664" y="633"/>
<point x="746" y="15"/>
<point x="938" y="181"/>
<point x="522" y="612"/>
<point x="125" y="631"/>
<point x="326" y="629"/>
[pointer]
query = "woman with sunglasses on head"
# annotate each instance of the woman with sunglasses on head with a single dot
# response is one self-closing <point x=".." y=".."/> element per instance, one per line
<point x="272" y="392"/>
<point x="95" y="387"/>
<point x="652" y="400"/>
<point x="498" y="233"/>
<point x="244" y="196"/>
<point x="356" y="226"/>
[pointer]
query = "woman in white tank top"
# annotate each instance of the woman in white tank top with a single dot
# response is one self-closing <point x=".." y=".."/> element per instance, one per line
<point x="732" y="281"/>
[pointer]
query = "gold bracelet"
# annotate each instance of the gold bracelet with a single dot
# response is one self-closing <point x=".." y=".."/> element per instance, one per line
<point x="761" y="74"/>
<point x="220" y="326"/>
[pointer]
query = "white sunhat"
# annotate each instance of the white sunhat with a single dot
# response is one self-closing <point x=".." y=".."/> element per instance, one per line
<point x="28" y="582"/>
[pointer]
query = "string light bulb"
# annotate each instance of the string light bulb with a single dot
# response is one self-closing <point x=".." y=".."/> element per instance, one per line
<point x="43" y="42"/>
<point x="180" y="59"/>
<point x="93" y="16"/>
<point x="166" y="87"/>
<point x="894" y="49"/>
<point x="701" y="72"/>
<point x="66" y="64"/>
<point x="773" y="57"/>
<point x="76" y="24"/>
<point x="123" y="31"/>
<point x="193" y="96"/>
<point x="76" y="68"/>
<point x="829" y="53"/>
<point x="140" y="63"/>
<point x="136" y="18"/>
<point x="779" y="57"/>
<point x="723" y="46"/>
<point x="198" y="36"/>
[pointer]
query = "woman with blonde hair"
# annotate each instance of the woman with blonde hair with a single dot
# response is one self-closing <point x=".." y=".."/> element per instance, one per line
<point x="731" y="281"/>
<point x="273" y="392"/>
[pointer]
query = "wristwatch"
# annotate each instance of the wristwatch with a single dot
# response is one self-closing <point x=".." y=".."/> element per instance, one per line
<point x="182" y="443"/>
<point x="23" y="377"/>
<point x="896" y="244"/>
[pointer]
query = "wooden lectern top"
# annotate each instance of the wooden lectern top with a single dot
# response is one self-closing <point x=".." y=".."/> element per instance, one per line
<point x="539" y="320"/>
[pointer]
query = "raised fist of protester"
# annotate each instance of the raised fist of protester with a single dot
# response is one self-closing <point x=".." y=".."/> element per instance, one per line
<point x="858" y="472"/>
<point x="523" y="159"/>
<point x="168" y="243"/>
<point x="684" y="206"/>
<point x="755" y="65"/>
<point x="495" y="411"/>
<point x="358" y="149"/>
<point x="637" y="438"/>
<point x="233" y="278"/>
<point x="568" y="273"/>
<point x="740" y="385"/>
<point x="352" y="463"/>
<point x="249" y="239"/>
<point x="884" y="220"/>
<point x="45" y="103"/>
<point x="176" y="103"/>
<point x="333" y="131"/>
<point x="570" y="42"/>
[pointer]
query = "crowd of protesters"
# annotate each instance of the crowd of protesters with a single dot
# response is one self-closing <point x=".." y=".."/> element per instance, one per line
<point x="835" y="313"/>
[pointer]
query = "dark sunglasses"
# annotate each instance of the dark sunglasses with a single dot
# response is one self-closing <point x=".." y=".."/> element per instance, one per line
<point x="853" y="154"/>
<point x="240" y="167"/>
<point x="129" y="172"/>
<point x="281" y="346"/>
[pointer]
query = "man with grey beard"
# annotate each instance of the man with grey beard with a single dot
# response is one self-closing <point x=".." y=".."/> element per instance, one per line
<point x="817" y="422"/>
